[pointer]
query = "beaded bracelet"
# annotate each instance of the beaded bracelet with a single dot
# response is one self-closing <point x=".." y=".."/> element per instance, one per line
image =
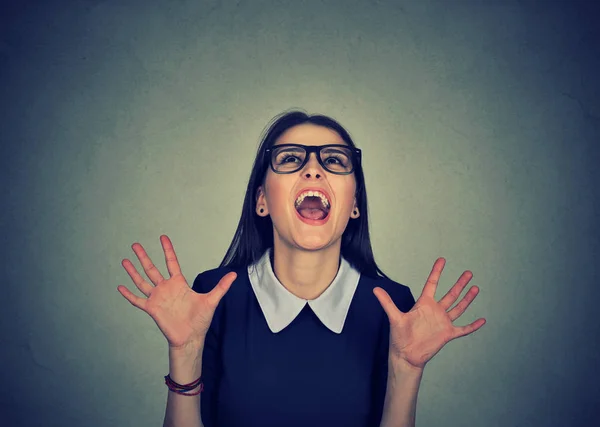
<point x="181" y="389"/>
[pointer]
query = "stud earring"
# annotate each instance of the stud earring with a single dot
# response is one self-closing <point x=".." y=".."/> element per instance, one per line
<point x="355" y="212"/>
<point x="261" y="210"/>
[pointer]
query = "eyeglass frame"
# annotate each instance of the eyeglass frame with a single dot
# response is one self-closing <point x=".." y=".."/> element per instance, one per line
<point x="355" y="154"/>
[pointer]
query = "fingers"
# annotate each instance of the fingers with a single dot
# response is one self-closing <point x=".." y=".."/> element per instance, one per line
<point x="132" y="298"/>
<point x="139" y="281"/>
<point x="460" y="308"/>
<point x="170" y="257"/>
<point x="150" y="269"/>
<point x="454" y="292"/>
<point x="434" y="277"/>
<point x="461" y="331"/>
<point x="386" y="302"/>
<point x="222" y="287"/>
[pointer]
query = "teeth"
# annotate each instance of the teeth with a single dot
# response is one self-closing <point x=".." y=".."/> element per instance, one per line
<point x="324" y="200"/>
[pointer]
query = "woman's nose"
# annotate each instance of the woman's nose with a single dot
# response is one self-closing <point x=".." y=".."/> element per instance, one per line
<point x="312" y="166"/>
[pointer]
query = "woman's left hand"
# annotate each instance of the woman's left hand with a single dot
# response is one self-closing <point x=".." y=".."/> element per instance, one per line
<point x="417" y="336"/>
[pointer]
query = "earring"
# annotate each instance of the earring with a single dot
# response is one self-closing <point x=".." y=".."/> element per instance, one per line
<point x="261" y="210"/>
<point x="355" y="212"/>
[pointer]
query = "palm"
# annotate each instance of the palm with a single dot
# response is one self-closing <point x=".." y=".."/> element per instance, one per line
<point x="417" y="336"/>
<point x="182" y="315"/>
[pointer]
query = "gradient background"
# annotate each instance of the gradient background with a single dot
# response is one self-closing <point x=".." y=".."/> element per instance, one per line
<point x="479" y="124"/>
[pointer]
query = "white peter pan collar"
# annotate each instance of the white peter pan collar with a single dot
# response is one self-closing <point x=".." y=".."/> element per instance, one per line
<point x="280" y="307"/>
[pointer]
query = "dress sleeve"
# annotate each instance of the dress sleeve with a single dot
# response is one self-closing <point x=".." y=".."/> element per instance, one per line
<point x="404" y="300"/>
<point x="211" y="357"/>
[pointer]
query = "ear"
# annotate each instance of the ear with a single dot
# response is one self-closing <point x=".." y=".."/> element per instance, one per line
<point x="260" y="195"/>
<point x="261" y="203"/>
<point x="355" y="209"/>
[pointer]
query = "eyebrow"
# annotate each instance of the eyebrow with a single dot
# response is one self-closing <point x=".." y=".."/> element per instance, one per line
<point x="329" y="143"/>
<point x="288" y="148"/>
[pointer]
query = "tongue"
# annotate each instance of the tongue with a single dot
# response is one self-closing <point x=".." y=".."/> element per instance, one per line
<point x="312" y="208"/>
<point x="312" y="213"/>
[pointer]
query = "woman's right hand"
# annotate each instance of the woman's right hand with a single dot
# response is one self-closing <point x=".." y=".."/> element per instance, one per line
<point x="182" y="314"/>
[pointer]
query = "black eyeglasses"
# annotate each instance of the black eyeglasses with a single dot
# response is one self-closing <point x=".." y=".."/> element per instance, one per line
<point x="335" y="158"/>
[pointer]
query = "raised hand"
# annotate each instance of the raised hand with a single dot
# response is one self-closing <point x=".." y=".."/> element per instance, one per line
<point x="417" y="336"/>
<point x="182" y="315"/>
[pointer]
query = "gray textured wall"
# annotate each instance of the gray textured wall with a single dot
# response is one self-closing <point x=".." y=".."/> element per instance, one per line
<point x="479" y="124"/>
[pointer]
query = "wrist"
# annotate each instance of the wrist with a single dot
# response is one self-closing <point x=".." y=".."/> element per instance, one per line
<point x="190" y="348"/>
<point x="185" y="364"/>
<point x="400" y="367"/>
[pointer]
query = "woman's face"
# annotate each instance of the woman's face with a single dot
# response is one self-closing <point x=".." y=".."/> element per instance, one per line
<point x="278" y="196"/>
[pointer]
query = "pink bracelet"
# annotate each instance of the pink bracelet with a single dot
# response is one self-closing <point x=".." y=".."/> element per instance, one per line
<point x="181" y="389"/>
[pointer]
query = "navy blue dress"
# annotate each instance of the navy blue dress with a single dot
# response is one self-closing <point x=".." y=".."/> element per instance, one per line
<point x="304" y="375"/>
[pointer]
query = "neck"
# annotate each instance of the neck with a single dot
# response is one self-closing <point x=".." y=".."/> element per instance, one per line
<point x="306" y="274"/>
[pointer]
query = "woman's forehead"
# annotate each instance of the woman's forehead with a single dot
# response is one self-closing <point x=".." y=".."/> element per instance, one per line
<point x="310" y="134"/>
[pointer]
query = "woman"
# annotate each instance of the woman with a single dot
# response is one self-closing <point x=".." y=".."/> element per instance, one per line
<point x="312" y="333"/>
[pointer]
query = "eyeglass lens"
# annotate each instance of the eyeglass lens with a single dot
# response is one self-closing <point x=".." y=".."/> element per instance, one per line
<point x="289" y="159"/>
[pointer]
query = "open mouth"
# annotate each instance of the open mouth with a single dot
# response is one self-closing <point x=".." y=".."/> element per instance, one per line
<point x="312" y="207"/>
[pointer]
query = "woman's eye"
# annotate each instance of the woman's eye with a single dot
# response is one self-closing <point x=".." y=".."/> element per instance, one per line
<point x="285" y="160"/>
<point x="334" y="158"/>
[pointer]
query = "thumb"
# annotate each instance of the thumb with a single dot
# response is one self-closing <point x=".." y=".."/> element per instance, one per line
<point x="386" y="302"/>
<point x="222" y="287"/>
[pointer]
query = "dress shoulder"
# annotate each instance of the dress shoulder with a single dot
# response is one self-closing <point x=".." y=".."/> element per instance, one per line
<point x="207" y="280"/>
<point x="401" y="294"/>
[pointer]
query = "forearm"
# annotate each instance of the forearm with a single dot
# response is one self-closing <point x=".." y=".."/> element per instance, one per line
<point x="400" y="406"/>
<point x="185" y="366"/>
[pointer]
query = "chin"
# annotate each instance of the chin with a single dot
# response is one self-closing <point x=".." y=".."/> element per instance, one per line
<point x="313" y="244"/>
